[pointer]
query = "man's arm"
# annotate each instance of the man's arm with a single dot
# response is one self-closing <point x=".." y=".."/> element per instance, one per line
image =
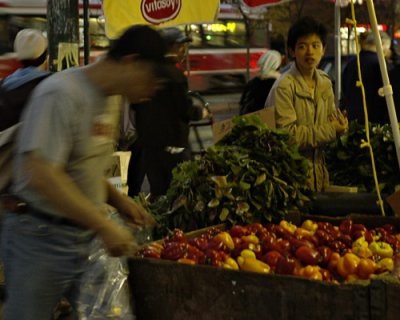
<point x="54" y="184"/>
<point x="127" y="207"/>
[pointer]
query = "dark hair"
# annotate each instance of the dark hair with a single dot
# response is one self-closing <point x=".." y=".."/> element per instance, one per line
<point x="303" y="27"/>
<point x="35" y="62"/>
<point x="139" y="39"/>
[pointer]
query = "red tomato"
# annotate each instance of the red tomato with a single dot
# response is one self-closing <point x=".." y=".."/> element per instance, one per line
<point x="285" y="265"/>
<point x="308" y="256"/>
<point x="174" y="250"/>
<point x="238" y="231"/>
<point x="282" y="246"/>
<point x="199" y="242"/>
<point x="271" y="258"/>
<point x="346" y="226"/>
<point x="177" y="236"/>
<point x="323" y="237"/>
<point x="325" y="253"/>
<point x="255" y="228"/>
<point x="296" y="243"/>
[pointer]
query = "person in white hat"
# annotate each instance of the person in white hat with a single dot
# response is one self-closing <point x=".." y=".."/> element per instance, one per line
<point x="257" y="89"/>
<point x="30" y="46"/>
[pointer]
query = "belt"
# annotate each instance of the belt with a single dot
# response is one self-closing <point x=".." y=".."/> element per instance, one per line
<point x="14" y="205"/>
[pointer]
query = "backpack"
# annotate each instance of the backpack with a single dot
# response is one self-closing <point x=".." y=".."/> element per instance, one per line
<point x="12" y="103"/>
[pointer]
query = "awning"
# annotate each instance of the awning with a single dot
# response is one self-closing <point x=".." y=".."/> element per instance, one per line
<point x="120" y="14"/>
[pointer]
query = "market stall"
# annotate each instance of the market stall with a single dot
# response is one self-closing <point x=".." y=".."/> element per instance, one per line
<point x="235" y="239"/>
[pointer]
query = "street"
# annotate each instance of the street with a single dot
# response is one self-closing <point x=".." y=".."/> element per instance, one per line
<point x="222" y="107"/>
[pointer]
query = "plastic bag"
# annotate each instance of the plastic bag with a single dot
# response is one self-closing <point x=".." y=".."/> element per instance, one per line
<point x="105" y="291"/>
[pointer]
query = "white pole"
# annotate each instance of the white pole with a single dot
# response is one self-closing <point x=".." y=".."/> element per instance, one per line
<point x="338" y="55"/>
<point x="387" y="88"/>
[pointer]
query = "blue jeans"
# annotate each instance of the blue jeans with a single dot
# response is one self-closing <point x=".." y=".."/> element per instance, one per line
<point x="43" y="262"/>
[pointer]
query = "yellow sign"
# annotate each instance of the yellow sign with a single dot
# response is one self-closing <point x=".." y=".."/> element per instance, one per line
<point x="121" y="14"/>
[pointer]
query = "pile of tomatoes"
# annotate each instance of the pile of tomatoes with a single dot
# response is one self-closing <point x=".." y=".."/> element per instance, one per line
<point x="315" y="250"/>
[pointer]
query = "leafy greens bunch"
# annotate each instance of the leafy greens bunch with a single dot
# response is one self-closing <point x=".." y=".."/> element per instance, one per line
<point x="350" y="165"/>
<point x="254" y="174"/>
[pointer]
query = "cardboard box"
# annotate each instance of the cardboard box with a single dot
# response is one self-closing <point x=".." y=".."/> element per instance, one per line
<point x="334" y="188"/>
<point x="221" y="128"/>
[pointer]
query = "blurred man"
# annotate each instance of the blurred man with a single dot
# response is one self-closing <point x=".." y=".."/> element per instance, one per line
<point x="59" y="194"/>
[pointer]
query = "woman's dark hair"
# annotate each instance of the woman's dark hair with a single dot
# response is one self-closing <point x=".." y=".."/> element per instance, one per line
<point x="35" y="62"/>
<point x="303" y="27"/>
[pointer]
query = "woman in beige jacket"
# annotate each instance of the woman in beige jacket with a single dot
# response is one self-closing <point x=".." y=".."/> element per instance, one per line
<point x="304" y="101"/>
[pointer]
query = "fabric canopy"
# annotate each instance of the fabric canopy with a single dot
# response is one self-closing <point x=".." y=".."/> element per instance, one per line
<point x="120" y="14"/>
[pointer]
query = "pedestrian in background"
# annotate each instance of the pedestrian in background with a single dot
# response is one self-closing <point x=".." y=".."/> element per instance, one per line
<point x="304" y="101"/>
<point x="352" y="99"/>
<point x="162" y="123"/>
<point x="257" y="89"/>
<point x="30" y="47"/>
<point x="59" y="197"/>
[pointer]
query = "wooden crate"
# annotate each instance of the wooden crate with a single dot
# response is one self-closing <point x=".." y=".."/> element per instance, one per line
<point x="168" y="290"/>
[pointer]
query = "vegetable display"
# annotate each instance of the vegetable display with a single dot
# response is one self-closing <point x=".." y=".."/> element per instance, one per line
<point x="314" y="250"/>
<point x="350" y="165"/>
<point x="254" y="174"/>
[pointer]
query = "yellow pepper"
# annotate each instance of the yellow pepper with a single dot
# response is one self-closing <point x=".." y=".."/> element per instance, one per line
<point x="252" y="264"/>
<point x="226" y="239"/>
<point x="251" y="238"/>
<point x="362" y="252"/>
<point x="288" y="226"/>
<point x="386" y="264"/>
<point x="382" y="249"/>
<point x="230" y="263"/>
<point x="311" y="272"/>
<point x="360" y="242"/>
<point x="310" y="225"/>
<point x="347" y="265"/>
<point x="247" y="253"/>
<point x="360" y="248"/>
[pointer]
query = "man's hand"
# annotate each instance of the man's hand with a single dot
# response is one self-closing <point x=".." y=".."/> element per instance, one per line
<point x="135" y="213"/>
<point x="117" y="240"/>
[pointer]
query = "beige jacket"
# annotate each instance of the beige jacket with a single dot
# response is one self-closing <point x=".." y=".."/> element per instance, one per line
<point x="306" y="118"/>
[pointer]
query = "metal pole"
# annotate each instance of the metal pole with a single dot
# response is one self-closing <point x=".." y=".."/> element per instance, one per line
<point x="63" y="33"/>
<point x="338" y="55"/>
<point x="86" y="38"/>
<point x="387" y="88"/>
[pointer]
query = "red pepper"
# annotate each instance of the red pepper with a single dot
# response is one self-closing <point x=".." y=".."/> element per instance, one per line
<point x="176" y="236"/>
<point x="199" y="242"/>
<point x="214" y="258"/>
<point x="174" y="250"/>
<point x="195" y="254"/>
<point x="238" y="231"/>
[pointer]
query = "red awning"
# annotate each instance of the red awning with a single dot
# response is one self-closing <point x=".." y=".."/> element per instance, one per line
<point x="262" y="3"/>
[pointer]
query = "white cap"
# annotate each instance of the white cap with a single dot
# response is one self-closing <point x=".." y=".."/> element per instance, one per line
<point x="30" y="44"/>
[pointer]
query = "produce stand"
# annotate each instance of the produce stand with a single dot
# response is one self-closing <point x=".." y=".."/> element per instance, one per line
<point x="168" y="290"/>
<point x="344" y="203"/>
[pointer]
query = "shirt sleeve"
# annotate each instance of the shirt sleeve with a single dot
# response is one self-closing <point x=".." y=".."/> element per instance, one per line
<point x="46" y="128"/>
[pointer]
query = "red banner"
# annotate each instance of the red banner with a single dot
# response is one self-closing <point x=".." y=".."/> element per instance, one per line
<point x="262" y="3"/>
